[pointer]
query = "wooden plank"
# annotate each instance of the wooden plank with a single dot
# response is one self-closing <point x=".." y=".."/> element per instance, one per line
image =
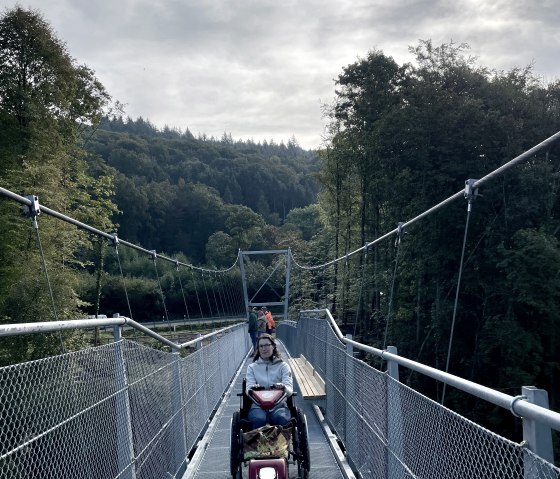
<point x="310" y="383"/>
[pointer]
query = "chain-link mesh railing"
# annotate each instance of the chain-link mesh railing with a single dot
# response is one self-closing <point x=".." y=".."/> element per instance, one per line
<point x="121" y="410"/>
<point x="391" y="431"/>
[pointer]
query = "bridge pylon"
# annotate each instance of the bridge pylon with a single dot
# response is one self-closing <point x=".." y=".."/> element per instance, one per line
<point x="287" y="253"/>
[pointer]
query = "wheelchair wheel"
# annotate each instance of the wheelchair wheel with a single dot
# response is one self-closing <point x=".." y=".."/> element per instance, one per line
<point x="304" y="462"/>
<point x="235" y="446"/>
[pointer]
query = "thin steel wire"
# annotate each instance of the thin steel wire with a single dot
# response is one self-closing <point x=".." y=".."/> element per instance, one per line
<point x="456" y="302"/>
<point x="183" y="293"/>
<point x="45" y="270"/>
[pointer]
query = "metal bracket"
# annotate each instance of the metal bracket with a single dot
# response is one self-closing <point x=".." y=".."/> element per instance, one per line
<point x="512" y="405"/>
<point x="400" y="233"/>
<point x="470" y="191"/>
<point x="114" y="240"/>
<point x="153" y="254"/>
<point x="177" y="264"/>
<point x="32" y="210"/>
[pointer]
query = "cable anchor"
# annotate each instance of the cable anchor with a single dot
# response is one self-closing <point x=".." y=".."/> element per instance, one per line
<point x="33" y="210"/>
<point x="470" y="191"/>
<point x="153" y="255"/>
<point x="400" y="233"/>
<point x="114" y="240"/>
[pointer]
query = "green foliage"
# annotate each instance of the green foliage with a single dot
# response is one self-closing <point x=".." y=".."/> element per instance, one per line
<point x="47" y="101"/>
<point x="177" y="190"/>
<point x="306" y="220"/>
<point x="403" y="138"/>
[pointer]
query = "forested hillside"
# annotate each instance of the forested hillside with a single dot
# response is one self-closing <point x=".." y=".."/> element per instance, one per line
<point x="176" y="190"/>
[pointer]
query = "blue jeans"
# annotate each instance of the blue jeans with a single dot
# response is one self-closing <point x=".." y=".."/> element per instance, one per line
<point x="253" y="335"/>
<point x="259" y="417"/>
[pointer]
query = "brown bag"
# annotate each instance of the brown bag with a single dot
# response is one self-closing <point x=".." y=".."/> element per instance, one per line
<point x="267" y="441"/>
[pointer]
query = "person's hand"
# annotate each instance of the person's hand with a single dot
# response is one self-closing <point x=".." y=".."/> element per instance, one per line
<point x="278" y="386"/>
<point x="256" y="386"/>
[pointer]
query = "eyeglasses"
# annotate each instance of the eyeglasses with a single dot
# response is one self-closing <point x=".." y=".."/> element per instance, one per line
<point x="268" y="345"/>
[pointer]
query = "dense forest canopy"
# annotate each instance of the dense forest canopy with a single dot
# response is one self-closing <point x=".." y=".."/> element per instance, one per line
<point x="401" y="139"/>
<point x="176" y="190"/>
<point x="405" y="137"/>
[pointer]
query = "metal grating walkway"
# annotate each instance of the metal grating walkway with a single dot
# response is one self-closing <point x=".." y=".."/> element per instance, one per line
<point x="215" y="460"/>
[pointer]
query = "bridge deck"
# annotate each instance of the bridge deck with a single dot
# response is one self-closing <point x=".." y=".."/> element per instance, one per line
<point x="215" y="461"/>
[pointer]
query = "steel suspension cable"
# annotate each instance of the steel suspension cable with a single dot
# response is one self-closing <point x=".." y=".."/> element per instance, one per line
<point x="498" y="171"/>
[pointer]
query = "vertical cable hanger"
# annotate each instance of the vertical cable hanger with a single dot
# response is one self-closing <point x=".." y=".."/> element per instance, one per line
<point x="32" y="211"/>
<point x="182" y="290"/>
<point x="115" y="244"/>
<point x="207" y="297"/>
<point x="232" y="285"/>
<point x="213" y="284"/>
<point x="229" y="295"/>
<point x="221" y="294"/>
<point x="359" y="306"/>
<point x="326" y="287"/>
<point x="470" y="194"/>
<point x="197" y="296"/>
<point x="153" y="255"/>
<point x="398" y="241"/>
<point x="345" y="272"/>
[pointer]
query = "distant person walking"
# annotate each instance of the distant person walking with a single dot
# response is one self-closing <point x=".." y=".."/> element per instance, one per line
<point x="253" y="325"/>
<point x="261" y="322"/>
<point x="270" y="323"/>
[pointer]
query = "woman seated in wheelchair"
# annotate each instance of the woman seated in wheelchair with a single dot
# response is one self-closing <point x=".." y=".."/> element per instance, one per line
<point x="268" y="370"/>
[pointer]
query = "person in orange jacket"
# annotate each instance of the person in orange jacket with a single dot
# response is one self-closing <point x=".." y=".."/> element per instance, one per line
<point x="270" y="323"/>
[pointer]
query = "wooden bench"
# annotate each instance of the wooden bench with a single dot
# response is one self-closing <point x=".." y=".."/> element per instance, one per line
<point x="311" y="385"/>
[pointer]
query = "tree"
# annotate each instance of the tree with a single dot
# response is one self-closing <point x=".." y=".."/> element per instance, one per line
<point x="402" y="140"/>
<point x="47" y="102"/>
<point x="307" y="220"/>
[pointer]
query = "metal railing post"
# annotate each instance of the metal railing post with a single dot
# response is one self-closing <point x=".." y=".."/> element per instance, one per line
<point x="287" y="285"/>
<point x="537" y="436"/>
<point x="179" y="428"/>
<point x="394" y="418"/>
<point x="349" y="425"/>
<point x="125" y="444"/>
<point x="328" y="372"/>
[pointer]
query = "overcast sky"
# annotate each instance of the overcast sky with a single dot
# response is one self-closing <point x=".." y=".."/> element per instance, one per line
<point x="263" y="69"/>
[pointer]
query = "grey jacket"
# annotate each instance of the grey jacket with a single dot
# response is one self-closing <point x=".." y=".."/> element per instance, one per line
<point x="267" y="373"/>
<point x="261" y="323"/>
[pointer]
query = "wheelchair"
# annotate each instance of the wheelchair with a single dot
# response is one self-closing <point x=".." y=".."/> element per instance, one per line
<point x="268" y="466"/>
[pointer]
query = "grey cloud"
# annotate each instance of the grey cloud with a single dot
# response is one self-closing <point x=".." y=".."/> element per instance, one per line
<point x="263" y="68"/>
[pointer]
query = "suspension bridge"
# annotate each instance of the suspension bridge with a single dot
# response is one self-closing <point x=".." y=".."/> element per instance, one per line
<point x="130" y="409"/>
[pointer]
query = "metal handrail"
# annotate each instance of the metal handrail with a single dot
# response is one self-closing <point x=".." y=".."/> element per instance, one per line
<point x="51" y="326"/>
<point x="516" y="404"/>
